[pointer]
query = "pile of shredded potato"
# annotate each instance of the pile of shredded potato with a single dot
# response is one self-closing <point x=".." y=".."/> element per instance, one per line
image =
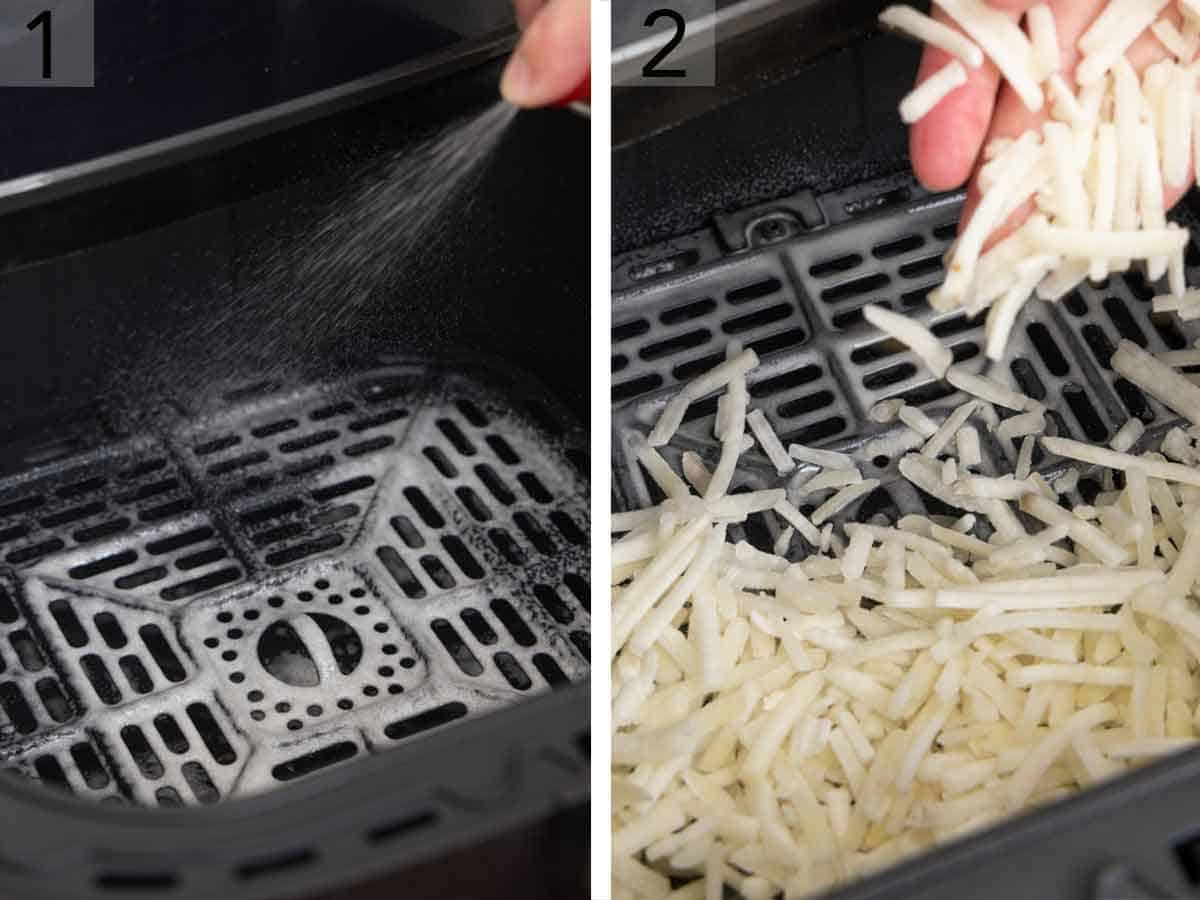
<point x="784" y="721"/>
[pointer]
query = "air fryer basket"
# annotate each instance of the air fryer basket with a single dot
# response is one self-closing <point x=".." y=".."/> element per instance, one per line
<point x="321" y="554"/>
<point x="788" y="277"/>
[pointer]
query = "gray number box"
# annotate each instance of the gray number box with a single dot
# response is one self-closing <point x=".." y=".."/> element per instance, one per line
<point x="66" y="28"/>
<point x="664" y="43"/>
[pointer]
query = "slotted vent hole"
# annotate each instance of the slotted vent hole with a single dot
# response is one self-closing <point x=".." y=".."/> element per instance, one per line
<point x="927" y="393"/>
<point x="454" y="435"/>
<point x="693" y="367"/>
<point x="838" y="264"/>
<point x="441" y="462"/>
<point x="1123" y="321"/>
<point x="695" y="309"/>
<point x="1027" y="378"/>
<point x="756" y="319"/>
<point x="825" y="430"/>
<point x="644" y="384"/>
<point x="462" y="655"/>
<point x="503" y="450"/>
<point x="534" y="532"/>
<point x="513" y="623"/>
<point x="768" y="387"/>
<point x="434" y="718"/>
<point x="702" y="409"/>
<point x="868" y="284"/>
<point x="1048" y="349"/>
<point x="919" y="268"/>
<point x="550" y="670"/>
<point x="675" y="344"/>
<point x="803" y="406"/>
<point x="1102" y="348"/>
<point x="898" y="247"/>
<point x="629" y="330"/>
<point x="478" y="626"/>
<point x="877" y="350"/>
<point x="953" y="325"/>
<point x="755" y="291"/>
<point x="438" y="572"/>
<point x="400" y="572"/>
<point x="891" y="375"/>
<point x="1085" y="413"/>
<point x="1075" y="304"/>
<point x="1136" y="282"/>
<point x="1134" y="400"/>
<point x="424" y="507"/>
<point x="1167" y="327"/>
<point x="512" y="671"/>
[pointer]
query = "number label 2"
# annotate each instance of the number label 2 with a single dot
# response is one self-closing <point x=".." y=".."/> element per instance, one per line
<point x="651" y="69"/>
<point x="43" y="20"/>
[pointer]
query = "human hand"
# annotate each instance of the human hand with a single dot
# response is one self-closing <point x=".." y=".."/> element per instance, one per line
<point x="553" y="59"/>
<point x="945" y="146"/>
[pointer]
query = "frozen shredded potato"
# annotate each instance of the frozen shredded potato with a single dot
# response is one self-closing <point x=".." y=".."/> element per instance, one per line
<point x="785" y="719"/>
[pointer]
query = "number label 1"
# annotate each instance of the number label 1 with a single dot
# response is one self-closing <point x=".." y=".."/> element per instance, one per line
<point x="49" y="43"/>
<point x="44" y="20"/>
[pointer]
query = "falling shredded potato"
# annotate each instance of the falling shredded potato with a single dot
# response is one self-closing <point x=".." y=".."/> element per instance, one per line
<point x="805" y="710"/>
<point x="1094" y="170"/>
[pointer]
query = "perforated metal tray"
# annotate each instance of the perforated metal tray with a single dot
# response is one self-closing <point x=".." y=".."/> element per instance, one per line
<point x="797" y="301"/>
<point x="309" y="575"/>
<point x="789" y="279"/>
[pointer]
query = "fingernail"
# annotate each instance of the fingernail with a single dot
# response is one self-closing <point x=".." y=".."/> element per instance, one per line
<point x="517" y="83"/>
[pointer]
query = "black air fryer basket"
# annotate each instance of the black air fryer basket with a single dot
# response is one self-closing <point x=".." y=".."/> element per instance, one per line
<point x="770" y="209"/>
<point x="293" y="559"/>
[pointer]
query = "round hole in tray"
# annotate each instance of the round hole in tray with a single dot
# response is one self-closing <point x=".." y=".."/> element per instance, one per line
<point x="254" y="696"/>
<point x="395" y="689"/>
<point x="314" y="710"/>
<point x="345" y="704"/>
<point x="234" y="633"/>
<point x="211" y="642"/>
<point x="381" y="627"/>
<point x="305" y="596"/>
<point x="275" y="602"/>
<point x="390" y="649"/>
<point x="237" y="677"/>
<point x="408" y="662"/>
<point x="225" y="617"/>
<point x="880" y="462"/>
<point x="257" y="715"/>
<point x="361" y="610"/>
<point x="370" y="690"/>
<point x="294" y="724"/>
<point x="283" y="706"/>
<point x="250" y="615"/>
<point x="357" y="592"/>
<point x="386" y="671"/>
<point x="321" y="584"/>
<point x="335" y="599"/>
<point x="229" y="655"/>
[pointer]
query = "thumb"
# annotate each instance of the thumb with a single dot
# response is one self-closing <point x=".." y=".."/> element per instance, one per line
<point x="553" y="58"/>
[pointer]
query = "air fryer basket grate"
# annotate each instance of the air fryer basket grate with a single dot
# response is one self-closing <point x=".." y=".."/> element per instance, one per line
<point x="304" y="576"/>
<point x="795" y="296"/>
<point x="798" y="302"/>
